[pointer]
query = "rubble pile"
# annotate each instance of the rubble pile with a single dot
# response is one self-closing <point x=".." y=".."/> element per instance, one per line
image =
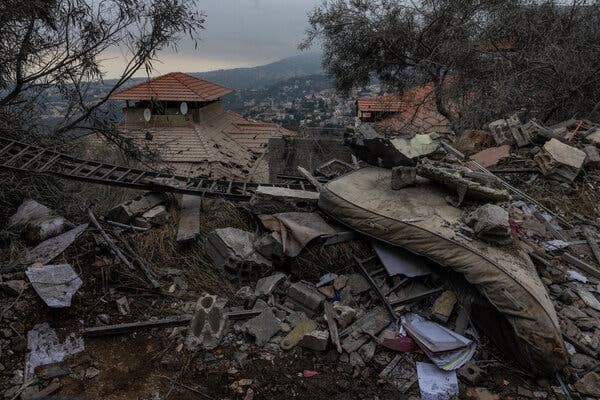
<point x="481" y="280"/>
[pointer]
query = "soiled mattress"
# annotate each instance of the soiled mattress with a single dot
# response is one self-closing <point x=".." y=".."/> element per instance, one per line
<point x="420" y="220"/>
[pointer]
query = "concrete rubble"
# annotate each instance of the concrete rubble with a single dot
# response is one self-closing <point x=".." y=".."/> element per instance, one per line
<point x="316" y="305"/>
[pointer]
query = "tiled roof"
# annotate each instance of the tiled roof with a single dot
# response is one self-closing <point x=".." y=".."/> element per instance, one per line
<point x="387" y="103"/>
<point x="175" y="86"/>
<point x="416" y="112"/>
<point x="223" y="146"/>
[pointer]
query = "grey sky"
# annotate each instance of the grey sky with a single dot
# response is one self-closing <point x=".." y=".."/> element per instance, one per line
<point x="239" y="33"/>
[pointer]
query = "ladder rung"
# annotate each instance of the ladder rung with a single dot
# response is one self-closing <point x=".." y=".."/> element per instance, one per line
<point x="108" y="173"/>
<point x="7" y="148"/>
<point x="34" y="159"/>
<point x="79" y="168"/>
<point x="96" y="168"/>
<point x="124" y="175"/>
<point x="49" y="163"/>
<point x="137" y="178"/>
<point x="16" y="156"/>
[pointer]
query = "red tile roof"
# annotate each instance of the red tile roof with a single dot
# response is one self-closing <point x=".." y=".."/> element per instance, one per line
<point x="175" y="86"/>
<point x="224" y="145"/>
<point x="387" y="103"/>
<point x="415" y="112"/>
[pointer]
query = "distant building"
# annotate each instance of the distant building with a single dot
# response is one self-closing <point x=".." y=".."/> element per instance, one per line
<point x="412" y="112"/>
<point x="182" y="118"/>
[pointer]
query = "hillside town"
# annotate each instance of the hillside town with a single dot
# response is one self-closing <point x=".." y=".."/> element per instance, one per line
<point x="420" y="219"/>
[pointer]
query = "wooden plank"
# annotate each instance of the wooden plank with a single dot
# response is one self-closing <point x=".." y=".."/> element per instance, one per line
<point x="309" y="177"/>
<point x="582" y="265"/>
<point x="333" y="329"/>
<point x="189" y="222"/>
<point x="120" y="329"/>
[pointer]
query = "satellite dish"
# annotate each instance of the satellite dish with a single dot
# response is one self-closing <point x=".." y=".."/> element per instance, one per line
<point x="147" y="115"/>
<point x="183" y="108"/>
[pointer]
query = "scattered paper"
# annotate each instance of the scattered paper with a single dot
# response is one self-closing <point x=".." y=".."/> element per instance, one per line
<point x="436" y="384"/>
<point x="55" y="284"/>
<point x="574" y="275"/>
<point x="45" y="348"/>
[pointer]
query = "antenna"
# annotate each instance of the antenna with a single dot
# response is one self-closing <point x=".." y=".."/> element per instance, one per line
<point x="147" y="115"/>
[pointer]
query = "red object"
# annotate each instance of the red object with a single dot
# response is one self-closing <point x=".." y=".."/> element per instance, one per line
<point x="175" y="86"/>
<point x="309" y="374"/>
<point x="514" y="226"/>
<point x="400" y="343"/>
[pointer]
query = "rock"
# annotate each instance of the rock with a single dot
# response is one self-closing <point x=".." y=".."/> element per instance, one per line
<point x="471" y="373"/>
<point x="102" y="319"/>
<point x="344" y="315"/>
<point x="490" y="224"/>
<point x="17" y="378"/>
<point x="141" y="222"/>
<point x="306" y="297"/>
<point x="582" y="362"/>
<point x="479" y="393"/>
<point x="340" y="282"/>
<point x="367" y="351"/>
<point x="53" y="370"/>
<point x="157" y="215"/>
<point x="403" y="176"/>
<point x="560" y="161"/>
<point x="263" y="327"/>
<point x="285" y="327"/>
<point x="30" y="392"/>
<point x="37" y="221"/>
<point x="443" y="306"/>
<point x="208" y="324"/>
<point x="315" y="340"/>
<point x="265" y="286"/>
<point x="270" y="246"/>
<point x="246" y="293"/>
<point x="274" y="200"/>
<point x="231" y="249"/>
<point x="589" y="299"/>
<point x="327" y="291"/>
<point x="357" y="284"/>
<point x="356" y="360"/>
<point x="125" y="212"/>
<point x="123" y="305"/>
<point x="592" y="157"/>
<point x="589" y="385"/>
<point x="524" y="392"/>
<point x="91" y="372"/>
<point x="572" y="313"/>
<point x="567" y="296"/>
<point x="594" y="137"/>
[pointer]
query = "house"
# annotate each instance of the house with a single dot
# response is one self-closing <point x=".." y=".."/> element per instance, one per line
<point x="412" y="112"/>
<point x="182" y="119"/>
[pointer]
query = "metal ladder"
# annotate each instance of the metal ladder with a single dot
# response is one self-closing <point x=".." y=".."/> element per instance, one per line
<point x="19" y="156"/>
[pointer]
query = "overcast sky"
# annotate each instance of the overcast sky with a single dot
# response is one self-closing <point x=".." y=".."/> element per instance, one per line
<point x="239" y="33"/>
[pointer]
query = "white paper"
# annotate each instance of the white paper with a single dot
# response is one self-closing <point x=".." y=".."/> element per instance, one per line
<point x="436" y="384"/>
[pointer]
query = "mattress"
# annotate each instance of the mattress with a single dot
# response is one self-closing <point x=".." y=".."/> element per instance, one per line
<point x="420" y="220"/>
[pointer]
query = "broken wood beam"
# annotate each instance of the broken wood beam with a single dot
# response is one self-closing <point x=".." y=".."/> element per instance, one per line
<point x="582" y="265"/>
<point x="117" y="252"/>
<point x="120" y="329"/>
<point x="333" y="329"/>
<point x="189" y="222"/>
<point x="309" y="177"/>
<point x="142" y="266"/>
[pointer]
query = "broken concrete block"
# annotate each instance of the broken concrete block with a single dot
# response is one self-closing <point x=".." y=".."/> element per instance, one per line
<point x="560" y="161"/>
<point x="589" y="385"/>
<point x="37" y="222"/>
<point x="370" y="324"/>
<point x="418" y="146"/>
<point x="327" y="291"/>
<point x="367" y="351"/>
<point x="265" y="286"/>
<point x="232" y="248"/>
<point x="356" y="360"/>
<point x="270" y="246"/>
<point x="510" y="131"/>
<point x="403" y="177"/>
<point x="157" y="215"/>
<point x="592" y="157"/>
<point x="123" y="305"/>
<point x="141" y="223"/>
<point x="357" y="284"/>
<point x="340" y="282"/>
<point x="208" y="324"/>
<point x="443" y="306"/>
<point x="246" y="293"/>
<point x="490" y="223"/>
<point x="274" y="200"/>
<point x="344" y="315"/>
<point x="263" y="327"/>
<point x="301" y="327"/>
<point x="306" y="297"/>
<point x="55" y="284"/>
<point x="189" y="221"/>
<point x="51" y="248"/>
<point x="315" y="340"/>
<point x="125" y="212"/>
<point x="594" y="137"/>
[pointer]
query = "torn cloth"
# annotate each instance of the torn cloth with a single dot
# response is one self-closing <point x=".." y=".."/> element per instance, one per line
<point x="296" y="229"/>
